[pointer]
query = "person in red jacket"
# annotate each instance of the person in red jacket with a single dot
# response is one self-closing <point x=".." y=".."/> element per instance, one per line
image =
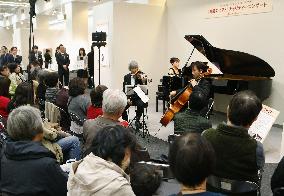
<point x="95" y="109"/>
<point x="4" y="96"/>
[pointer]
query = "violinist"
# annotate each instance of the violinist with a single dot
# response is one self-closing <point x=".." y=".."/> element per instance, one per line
<point x="135" y="77"/>
<point x="198" y="82"/>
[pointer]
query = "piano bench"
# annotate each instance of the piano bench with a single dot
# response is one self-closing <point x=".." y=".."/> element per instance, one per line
<point x="160" y="96"/>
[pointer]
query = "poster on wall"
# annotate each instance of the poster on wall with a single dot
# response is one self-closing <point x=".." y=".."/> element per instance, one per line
<point x="239" y="7"/>
<point x="104" y="50"/>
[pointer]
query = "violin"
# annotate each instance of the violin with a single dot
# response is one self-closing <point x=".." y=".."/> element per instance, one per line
<point x="180" y="100"/>
<point x="140" y="75"/>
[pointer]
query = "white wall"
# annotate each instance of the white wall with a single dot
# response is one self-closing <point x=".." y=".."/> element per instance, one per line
<point x="257" y="34"/>
<point x="6" y="38"/>
<point x="139" y="34"/>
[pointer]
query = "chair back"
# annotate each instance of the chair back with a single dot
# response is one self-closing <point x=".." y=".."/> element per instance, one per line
<point x="232" y="187"/>
<point x="52" y="113"/>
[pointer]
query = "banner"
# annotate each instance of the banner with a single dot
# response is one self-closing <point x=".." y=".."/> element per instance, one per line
<point x="239" y="7"/>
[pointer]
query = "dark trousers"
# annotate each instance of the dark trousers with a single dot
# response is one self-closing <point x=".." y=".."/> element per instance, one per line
<point x="91" y="81"/>
<point x="63" y="73"/>
<point x="136" y="101"/>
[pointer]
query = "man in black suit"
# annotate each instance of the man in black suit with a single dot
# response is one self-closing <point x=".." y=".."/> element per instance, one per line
<point x="36" y="55"/>
<point x="63" y="62"/>
<point x="134" y="78"/>
<point x="91" y="68"/>
<point x="13" y="57"/>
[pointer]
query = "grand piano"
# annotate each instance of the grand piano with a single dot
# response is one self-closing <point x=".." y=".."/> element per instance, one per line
<point x="239" y="70"/>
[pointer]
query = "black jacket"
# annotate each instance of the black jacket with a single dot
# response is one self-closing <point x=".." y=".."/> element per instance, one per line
<point x="91" y="63"/>
<point x="62" y="59"/>
<point x="277" y="179"/>
<point x="38" y="58"/>
<point x="28" y="168"/>
<point x="10" y="59"/>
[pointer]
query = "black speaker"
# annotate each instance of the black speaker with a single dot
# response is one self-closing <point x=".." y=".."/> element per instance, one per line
<point x="99" y="37"/>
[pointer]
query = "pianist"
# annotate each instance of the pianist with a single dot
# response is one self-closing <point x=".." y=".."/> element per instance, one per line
<point x="174" y="70"/>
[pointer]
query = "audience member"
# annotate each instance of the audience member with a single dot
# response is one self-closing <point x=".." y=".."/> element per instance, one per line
<point x="91" y="68"/>
<point x="70" y="145"/>
<point x="95" y="109"/>
<point x="13" y="57"/>
<point x="51" y="81"/>
<point x="113" y="104"/>
<point x="102" y="171"/>
<point x="41" y="89"/>
<point x="277" y="180"/>
<point x="63" y="62"/>
<point x="36" y="55"/>
<point x="192" y="160"/>
<point x="4" y="96"/>
<point x="83" y="73"/>
<point x="145" y="180"/>
<point x="239" y="156"/>
<point x="3" y="56"/>
<point x="23" y="96"/>
<point x="47" y="58"/>
<point x="4" y="71"/>
<point x="15" y="76"/>
<point x="27" y="167"/>
<point x="190" y="119"/>
<point x="78" y="102"/>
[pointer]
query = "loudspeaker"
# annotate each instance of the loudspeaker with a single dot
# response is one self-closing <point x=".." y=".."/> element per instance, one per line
<point x="99" y="37"/>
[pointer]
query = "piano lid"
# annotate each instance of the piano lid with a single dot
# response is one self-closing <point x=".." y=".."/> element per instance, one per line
<point x="233" y="64"/>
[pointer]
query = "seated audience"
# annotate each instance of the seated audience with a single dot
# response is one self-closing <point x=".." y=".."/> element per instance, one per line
<point x="51" y="81"/>
<point x="192" y="160"/>
<point x="191" y="119"/>
<point x="78" y="102"/>
<point x="4" y="96"/>
<point x="114" y="102"/>
<point x="41" y="90"/>
<point x="4" y="71"/>
<point x="95" y="109"/>
<point x="277" y="180"/>
<point x="68" y="145"/>
<point x="145" y="180"/>
<point x="239" y="156"/>
<point x="23" y="96"/>
<point x="27" y="167"/>
<point x="82" y="73"/>
<point x="102" y="171"/>
<point x="16" y="77"/>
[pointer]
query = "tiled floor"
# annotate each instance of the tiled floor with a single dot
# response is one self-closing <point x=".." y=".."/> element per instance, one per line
<point x="272" y="144"/>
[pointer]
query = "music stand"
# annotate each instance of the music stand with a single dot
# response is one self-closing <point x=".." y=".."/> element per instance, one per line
<point x="130" y="91"/>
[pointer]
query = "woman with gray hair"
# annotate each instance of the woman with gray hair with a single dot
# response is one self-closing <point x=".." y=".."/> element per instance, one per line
<point x="114" y="102"/>
<point x="27" y="167"/>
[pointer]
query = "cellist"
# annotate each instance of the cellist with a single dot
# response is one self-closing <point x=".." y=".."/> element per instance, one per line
<point x="191" y="118"/>
<point x="198" y="82"/>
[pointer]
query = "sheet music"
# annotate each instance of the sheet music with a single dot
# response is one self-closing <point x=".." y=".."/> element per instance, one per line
<point x="261" y="127"/>
<point x="141" y="94"/>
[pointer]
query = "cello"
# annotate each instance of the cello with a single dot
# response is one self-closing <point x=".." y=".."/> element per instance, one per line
<point x="180" y="100"/>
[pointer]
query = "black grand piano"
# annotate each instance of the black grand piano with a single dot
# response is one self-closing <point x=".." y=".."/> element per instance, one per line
<point x="241" y="71"/>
